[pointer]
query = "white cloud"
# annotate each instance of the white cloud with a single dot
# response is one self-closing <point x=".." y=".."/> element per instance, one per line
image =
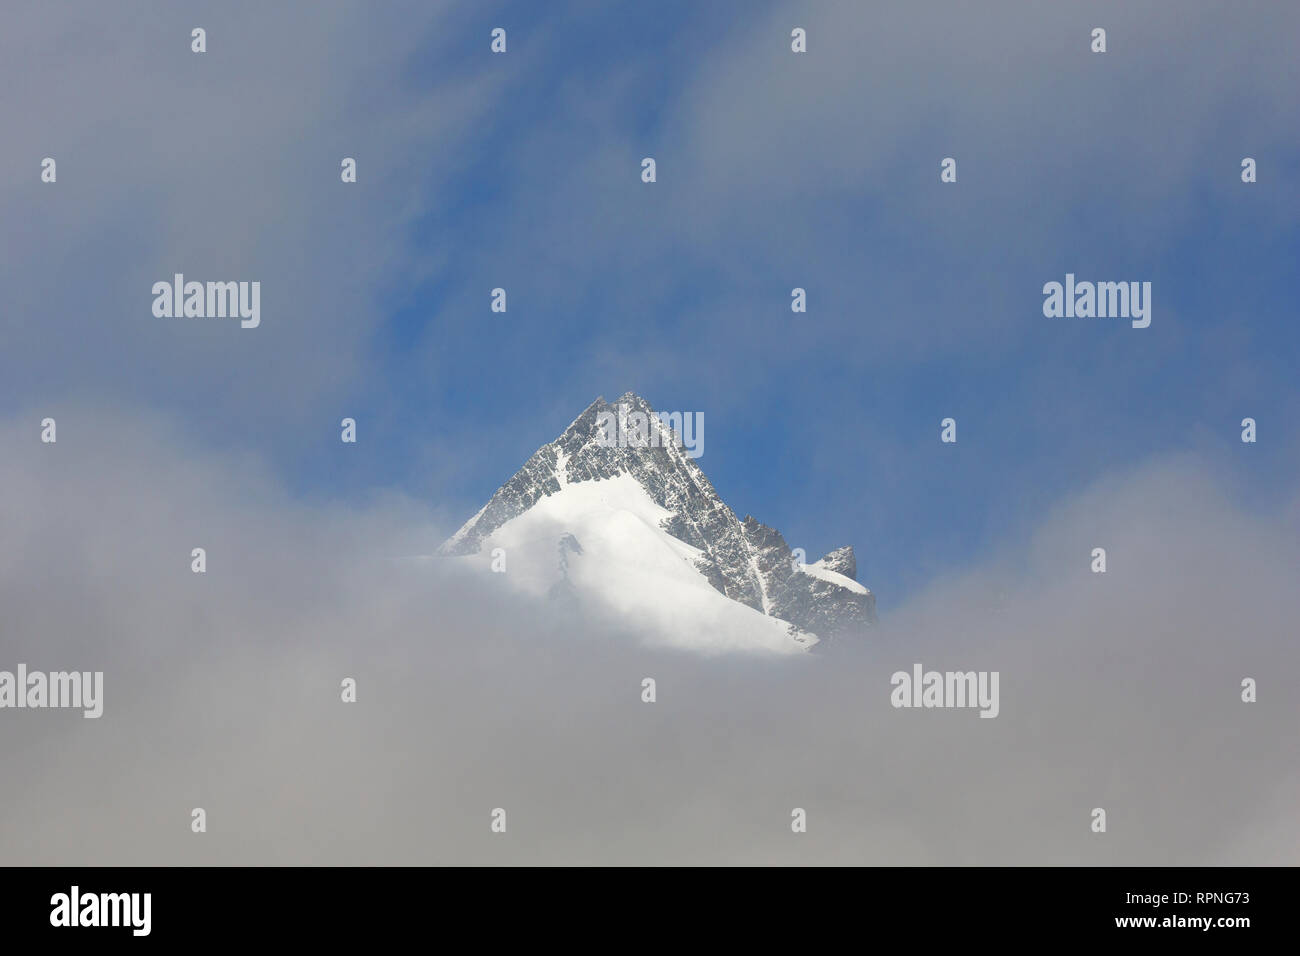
<point x="222" y="690"/>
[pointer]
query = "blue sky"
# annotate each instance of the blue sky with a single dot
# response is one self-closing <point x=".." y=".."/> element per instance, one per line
<point x="775" y="170"/>
<point x="811" y="427"/>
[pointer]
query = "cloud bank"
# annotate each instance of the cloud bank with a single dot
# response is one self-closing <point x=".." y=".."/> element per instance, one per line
<point x="222" y="690"/>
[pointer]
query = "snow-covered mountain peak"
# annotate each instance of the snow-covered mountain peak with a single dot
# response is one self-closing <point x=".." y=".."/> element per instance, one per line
<point x="627" y="506"/>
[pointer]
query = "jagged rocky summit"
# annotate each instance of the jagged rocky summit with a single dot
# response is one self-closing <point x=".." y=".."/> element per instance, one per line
<point x="582" y="474"/>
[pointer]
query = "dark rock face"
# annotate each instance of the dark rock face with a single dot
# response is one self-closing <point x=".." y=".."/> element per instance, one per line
<point x="795" y="595"/>
<point x="746" y="561"/>
<point x="842" y="561"/>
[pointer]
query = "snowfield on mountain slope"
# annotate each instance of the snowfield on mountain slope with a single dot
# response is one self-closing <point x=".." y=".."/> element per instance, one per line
<point x="631" y="567"/>
<point x="819" y="570"/>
